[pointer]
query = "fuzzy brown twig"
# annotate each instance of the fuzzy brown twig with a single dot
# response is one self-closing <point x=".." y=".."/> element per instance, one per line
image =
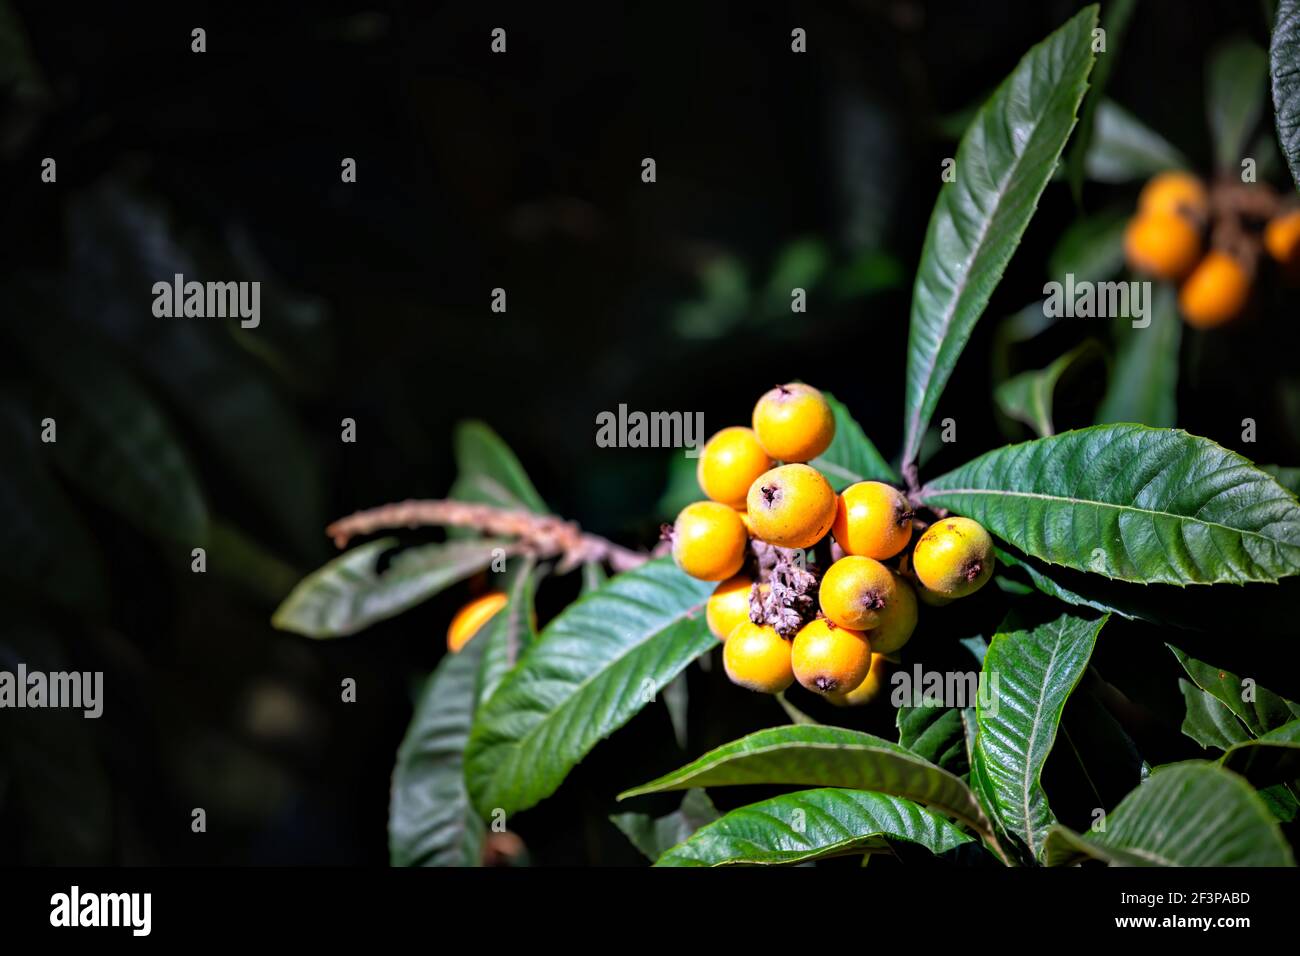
<point x="542" y="536"/>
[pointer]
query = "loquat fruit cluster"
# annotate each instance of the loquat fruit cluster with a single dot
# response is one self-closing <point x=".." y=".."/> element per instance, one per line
<point x="771" y="514"/>
<point x="1166" y="239"/>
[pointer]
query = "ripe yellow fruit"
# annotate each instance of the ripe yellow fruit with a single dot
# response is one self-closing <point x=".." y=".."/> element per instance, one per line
<point x="954" y="558"/>
<point x="865" y="692"/>
<point x="728" y="605"/>
<point x="897" y="620"/>
<point x="1161" y="244"/>
<point x="794" y="422"/>
<point x="1216" y="292"/>
<point x="856" y="592"/>
<point x="791" y="506"/>
<point x="757" y="657"/>
<point x="924" y="594"/>
<point x="709" y="541"/>
<point x="729" y="463"/>
<point x="1282" y="238"/>
<point x="1175" y="193"/>
<point x="872" y="519"/>
<point x="829" y="659"/>
<point x="469" y="620"/>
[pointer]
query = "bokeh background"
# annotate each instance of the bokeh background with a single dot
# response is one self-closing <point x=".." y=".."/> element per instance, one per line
<point x="475" y="171"/>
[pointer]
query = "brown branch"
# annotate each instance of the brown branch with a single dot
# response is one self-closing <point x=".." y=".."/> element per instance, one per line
<point x="542" y="536"/>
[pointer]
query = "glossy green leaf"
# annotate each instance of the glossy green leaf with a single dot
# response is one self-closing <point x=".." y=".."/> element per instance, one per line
<point x="1209" y="721"/>
<point x="487" y="471"/>
<point x="1124" y="149"/>
<point x="508" y="635"/>
<point x="1258" y="708"/>
<point x="851" y="457"/>
<point x="1003" y="163"/>
<point x="811" y="825"/>
<point x="1115" y="16"/>
<point x="1185" y="814"/>
<point x="351" y="592"/>
<point x="1284" y="64"/>
<point x="935" y="733"/>
<point x="653" y="836"/>
<point x="1028" y="396"/>
<point x="1235" y="84"/>
<point x="1029" y="676"/>
<point x="1134" y="503"/>
<point x="430" y="820"/>
<point x="1143" y="385"/>
<point x="819" y="755"/>
<point x="594" y="666"/>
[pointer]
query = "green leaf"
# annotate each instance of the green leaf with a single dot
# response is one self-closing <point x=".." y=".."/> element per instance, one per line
<point x="934" y="733"/>
<point x="811" y="825"/>
<point x="1028" y="396"/>
<point x="1143" y="385"/>
<point x="489" y="473"/>
<point x="1004" y="162"/>
<point x="1060" y="584"/>
<point x="1258" y="708"/>
<point x="1284" y="64"/>
<point x="1235" y="81"/>
<point x="654" y="836"/>
<point x="852" y="457"/>
<point x="1288" y="478"/>
<point x="1030" y="674"/>
<point x="594" y="666"/>
<point x="509" y="633"/>
<point x="1184" y="814"/>
<point x="430" y="820"/>
<point x="1124" y="149"/>
<point x="819" y="755"/>
<point x="1114" y="21"/>
<point x="1209" y="722"/>
<point x="1271" y="758"/>
<point x="1134" y="503"/>
<point x="1281" y="801"/>
<point x="351" y="593"/>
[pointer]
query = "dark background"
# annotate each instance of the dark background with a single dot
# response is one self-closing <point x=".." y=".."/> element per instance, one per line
<point x="474" y="171"/>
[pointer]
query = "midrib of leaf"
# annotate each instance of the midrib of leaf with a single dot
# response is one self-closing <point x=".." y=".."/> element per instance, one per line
<point x="608" y="665"/>
<point x="925" y="495"/>
<point x="1029" y="747"/>
<point x="913" y="443"/>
